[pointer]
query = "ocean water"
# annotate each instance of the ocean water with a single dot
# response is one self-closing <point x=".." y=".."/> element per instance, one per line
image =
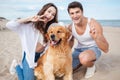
<point x="112" y="23"/>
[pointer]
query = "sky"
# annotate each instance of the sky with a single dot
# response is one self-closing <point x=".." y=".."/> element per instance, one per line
<point x="98" y="9"/>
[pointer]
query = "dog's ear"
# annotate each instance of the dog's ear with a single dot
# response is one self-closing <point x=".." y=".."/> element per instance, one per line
<point x="47" y="36"/>
<point x="70" y="38"/>
<point x="68" y="35"/>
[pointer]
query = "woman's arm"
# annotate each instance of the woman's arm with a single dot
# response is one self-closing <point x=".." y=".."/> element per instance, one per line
<point x="39" y="47"/>
<point x="31" y="19"/>
<point x="15" y="24"/>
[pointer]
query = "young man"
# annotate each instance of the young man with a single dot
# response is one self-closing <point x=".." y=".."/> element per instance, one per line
<point x="89" y="34"/>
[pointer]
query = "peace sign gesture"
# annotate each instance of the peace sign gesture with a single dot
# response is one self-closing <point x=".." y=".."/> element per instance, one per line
<point x="37" y="18"/>
<point x="94" y="30"/>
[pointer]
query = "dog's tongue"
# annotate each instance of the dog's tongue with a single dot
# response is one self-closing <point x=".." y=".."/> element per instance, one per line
<point x="53" y="43"/>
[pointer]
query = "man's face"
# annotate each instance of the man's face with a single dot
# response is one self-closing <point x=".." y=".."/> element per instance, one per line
<point x="76" y="15"/>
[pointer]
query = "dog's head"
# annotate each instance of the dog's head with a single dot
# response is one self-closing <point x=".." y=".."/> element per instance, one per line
<point x="57" y="34"/>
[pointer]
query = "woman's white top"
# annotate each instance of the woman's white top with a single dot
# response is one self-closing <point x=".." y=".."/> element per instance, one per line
<point x="85" y="40"/>
<point x="29" y="37"/>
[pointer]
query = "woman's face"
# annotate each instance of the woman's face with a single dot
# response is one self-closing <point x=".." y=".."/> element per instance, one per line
<point x="76" y="15"/>
<point x="49" y="14"/>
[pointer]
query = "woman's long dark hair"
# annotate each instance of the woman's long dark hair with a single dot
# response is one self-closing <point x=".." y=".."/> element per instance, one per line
<point x="41" y="26"/>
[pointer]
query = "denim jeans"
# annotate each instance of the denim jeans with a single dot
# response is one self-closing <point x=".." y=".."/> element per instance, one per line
<point x="77" y="51"/>
<point x="25" y="73"/>
<point x="37" y="55"/>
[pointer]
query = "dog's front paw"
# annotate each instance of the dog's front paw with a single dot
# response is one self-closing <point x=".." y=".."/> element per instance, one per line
<point x="38" y="74"/>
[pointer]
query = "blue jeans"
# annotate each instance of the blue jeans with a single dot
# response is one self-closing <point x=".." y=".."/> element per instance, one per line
<point x="77" y="51"/>
<point x="25" y="73"/>
<point x="37" y="55"/>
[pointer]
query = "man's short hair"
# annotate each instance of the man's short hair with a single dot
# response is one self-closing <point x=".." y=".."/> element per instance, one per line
<point x="75" y="4"/>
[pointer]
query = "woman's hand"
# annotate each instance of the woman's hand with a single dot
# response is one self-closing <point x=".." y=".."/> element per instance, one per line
<point x="39" y="47"/>
<point x="35" y="18"/>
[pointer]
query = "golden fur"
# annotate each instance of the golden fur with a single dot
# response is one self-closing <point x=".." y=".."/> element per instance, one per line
<point x="57" y="60"/>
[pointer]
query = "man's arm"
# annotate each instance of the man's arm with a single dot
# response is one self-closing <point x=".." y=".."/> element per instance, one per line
<point x="96" y="32"/>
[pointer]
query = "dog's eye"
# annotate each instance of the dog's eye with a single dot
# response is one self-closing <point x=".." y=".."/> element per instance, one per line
<point x="51" y="32"/>
<point x="58" y="31"/>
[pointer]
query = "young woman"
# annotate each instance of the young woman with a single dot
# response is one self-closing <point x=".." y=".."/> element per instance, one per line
<point x="32" y="32"/>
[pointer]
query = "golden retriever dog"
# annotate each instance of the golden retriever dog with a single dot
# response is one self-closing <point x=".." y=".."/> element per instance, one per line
<point x="57" y="60"/>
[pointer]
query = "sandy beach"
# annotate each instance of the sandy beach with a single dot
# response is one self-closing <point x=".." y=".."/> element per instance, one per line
<point x="107" y="67"/>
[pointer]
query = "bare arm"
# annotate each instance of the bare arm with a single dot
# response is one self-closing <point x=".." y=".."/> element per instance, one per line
<point x="96" y="32"/>
<point x="71" y="41"/>
<point x="39" y="47"/>
<point x="32" y="19"/>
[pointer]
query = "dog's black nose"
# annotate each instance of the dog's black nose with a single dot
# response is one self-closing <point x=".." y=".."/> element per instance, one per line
<point x="52" y="36"/>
